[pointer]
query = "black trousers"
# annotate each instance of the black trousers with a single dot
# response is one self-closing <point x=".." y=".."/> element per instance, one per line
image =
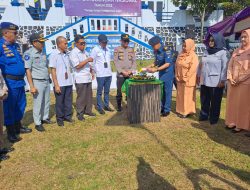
<point x="64" y="103"/>
<point x="84" y="98"/>
<point x="210" y="103"/>
<point x="119" y="83"/>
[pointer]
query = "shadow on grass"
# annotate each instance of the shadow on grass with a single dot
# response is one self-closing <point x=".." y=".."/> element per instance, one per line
<point x="148" y="179"/>
<point x="112" y="101"/>
<point x="242" y="174"/>
<point x="28" y="116"/>
<point x="195" y="175"/>
<point x="220" y="135"/>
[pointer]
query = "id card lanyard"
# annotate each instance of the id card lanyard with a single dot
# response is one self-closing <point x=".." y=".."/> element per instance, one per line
<point x="104" y="55"/>
<point x="66" y="76"/>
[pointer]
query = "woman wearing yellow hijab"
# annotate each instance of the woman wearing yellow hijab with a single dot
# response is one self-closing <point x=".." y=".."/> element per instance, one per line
<point x="185" y="73"/>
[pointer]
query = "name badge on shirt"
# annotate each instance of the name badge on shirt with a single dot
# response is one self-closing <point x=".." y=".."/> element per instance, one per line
<point x="66" y="75"/>
<point x="105" y="65"/>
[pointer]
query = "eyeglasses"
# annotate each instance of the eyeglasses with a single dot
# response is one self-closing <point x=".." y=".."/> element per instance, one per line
<point x="82" y="43"/>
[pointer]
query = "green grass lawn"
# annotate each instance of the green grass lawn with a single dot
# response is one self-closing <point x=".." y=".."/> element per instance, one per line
<point x="107" y="152"/>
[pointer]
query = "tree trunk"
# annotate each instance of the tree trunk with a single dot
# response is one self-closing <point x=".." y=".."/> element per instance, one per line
<point x="202" y="24"/>
<point x="144" y="103"/>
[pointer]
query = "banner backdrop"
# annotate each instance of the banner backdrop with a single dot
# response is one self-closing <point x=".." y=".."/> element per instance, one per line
<point x="103" y="7"/>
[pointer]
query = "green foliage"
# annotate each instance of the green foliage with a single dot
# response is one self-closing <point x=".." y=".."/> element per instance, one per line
<point x="230" y="8"/>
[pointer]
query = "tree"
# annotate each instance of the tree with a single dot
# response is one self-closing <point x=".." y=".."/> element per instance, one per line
<point x="233" y="6"/>
<point x="200" y="8"/>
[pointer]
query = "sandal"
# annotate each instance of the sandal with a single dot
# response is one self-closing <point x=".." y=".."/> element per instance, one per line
<point x="236" y="130"/>
<point x="230" y="127"/>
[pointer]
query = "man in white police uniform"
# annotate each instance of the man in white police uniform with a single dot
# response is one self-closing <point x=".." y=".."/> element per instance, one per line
<point x="101" y="59"/>
<point x="63" y="84"/>
<point x="83" y="78"/>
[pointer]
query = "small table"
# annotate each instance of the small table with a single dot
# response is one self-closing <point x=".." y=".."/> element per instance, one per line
<point x="143" y="100"/>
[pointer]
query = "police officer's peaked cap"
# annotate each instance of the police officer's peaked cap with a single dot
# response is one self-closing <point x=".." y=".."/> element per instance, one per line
<point x="102" y="38"/>
<point x="37" y="37"/>
<point x="125" y="37"/>
<point x="9" y="26"/>
<point x="154" y="40"/>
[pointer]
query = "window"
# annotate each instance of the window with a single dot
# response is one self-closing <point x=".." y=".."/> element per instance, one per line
<point x="81" y="29"/>
<point x="115" y="24"/>
<point x="98" y="25"/>
<point x="104" y="25"/>
<point x="139" y="35"/>
<point x="68" y="36"/>
<point x="151" y="5"/>
<point x="133" y="31"/>
<point x="74" y="32"/>
<point x="109" y="25"/>
<point x="92" y="24"/>
<point x="126" y="28"/>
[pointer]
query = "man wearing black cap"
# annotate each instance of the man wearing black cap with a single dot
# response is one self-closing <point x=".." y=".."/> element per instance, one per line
<point x="13" y="70"/>
<point x="101" y="59"/>
<point x="36" y="65"/>
<point x="125" y="63"/>
<point x="164" y="64"/>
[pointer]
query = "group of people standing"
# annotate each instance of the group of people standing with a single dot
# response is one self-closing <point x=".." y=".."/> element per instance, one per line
<point x="60" y="64"/>
<point x="212" y="72"/>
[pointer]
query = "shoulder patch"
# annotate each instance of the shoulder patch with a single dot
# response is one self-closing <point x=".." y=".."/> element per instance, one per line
<point x="26" y="57"/>
<point x="165" y="48"/>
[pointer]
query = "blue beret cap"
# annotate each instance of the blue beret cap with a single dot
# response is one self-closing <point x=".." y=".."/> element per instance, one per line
<point x="9" y="26"/>
<point x="154" y="40"/>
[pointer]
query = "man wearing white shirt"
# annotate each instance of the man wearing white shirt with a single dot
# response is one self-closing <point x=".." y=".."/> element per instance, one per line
<point x="62" y="79"/>
<point x="83" y="78"/>
<point x="101" y="59"/>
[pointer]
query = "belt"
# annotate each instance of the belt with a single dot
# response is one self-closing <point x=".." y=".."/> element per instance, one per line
<point x="14" y="77"/>
<point x="40" y="79"/>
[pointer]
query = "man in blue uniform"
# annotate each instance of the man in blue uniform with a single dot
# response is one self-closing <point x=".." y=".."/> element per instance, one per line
<point x="164" y="64"/>
<point x="13" y="71"/>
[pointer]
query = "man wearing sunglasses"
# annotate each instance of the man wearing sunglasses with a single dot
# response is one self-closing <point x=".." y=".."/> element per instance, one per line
<point x="12" y="66"/>
<point x="125" y="63"/>
<point x="83" y="76"/>
<point x="36" y="65"/>
<point x="101" y="58"/>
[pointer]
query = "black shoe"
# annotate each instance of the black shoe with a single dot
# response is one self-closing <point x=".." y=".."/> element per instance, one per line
<point x="6" y="150"/>
<point x="60" y="123"/>
<point x="14" y="139"/>
<point x="91" y="114"/>
<point x="182" y="116"/>
<point x="4" y="157"/>
<point x="165" y="114"/>
<point x="24" y="129"/>
<point x="69" y="120"/>
<point x="40" y="128"/>
<point x="80" y="118"/>
<point x="48" y="121"/>
<point x="203" y="119"/>
<point x="108" y="109"/>
<point x="12" y="134"/>
<point x="213" y="122"/>
<point x="119" y="109"/>
<point x="101" y="111"/>
<point x="247" y="135"/>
